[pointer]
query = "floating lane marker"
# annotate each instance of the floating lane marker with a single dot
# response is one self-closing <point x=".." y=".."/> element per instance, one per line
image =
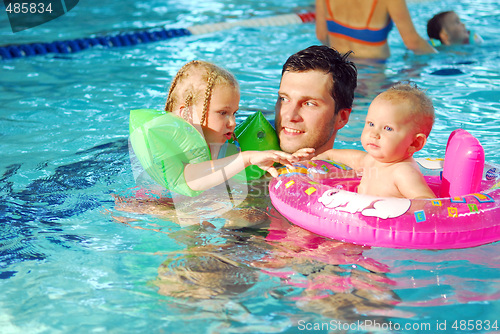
<point x="145" y="36"/>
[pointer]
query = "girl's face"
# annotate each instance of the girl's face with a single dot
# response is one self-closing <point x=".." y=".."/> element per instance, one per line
<point x="389" y="131"/>
<point x="220" y="121"/>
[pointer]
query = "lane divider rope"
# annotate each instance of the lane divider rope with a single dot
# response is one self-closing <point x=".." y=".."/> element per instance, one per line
<point x="144" y="36"/>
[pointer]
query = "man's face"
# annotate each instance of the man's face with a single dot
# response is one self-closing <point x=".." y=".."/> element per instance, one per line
<point x="305" y="111"/>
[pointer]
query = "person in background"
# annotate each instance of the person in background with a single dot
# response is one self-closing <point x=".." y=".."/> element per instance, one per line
<point x="364" y="25"/>
<point x="446" y="28"/>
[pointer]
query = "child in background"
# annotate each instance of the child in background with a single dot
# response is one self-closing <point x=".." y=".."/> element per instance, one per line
<point x="208" y="97"/>
<point x="446" y="28"/>
<point x="397" y="125"/>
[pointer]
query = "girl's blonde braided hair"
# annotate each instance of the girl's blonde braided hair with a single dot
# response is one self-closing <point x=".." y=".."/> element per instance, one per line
<point x="190" y="80"/>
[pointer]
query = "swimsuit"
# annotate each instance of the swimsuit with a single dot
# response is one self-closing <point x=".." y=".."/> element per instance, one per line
<point x="360" y="35"/>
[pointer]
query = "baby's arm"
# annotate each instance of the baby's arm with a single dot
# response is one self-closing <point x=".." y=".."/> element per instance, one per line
<point x="208" y="174"/>
<point x="411" y="183"/>
<point x="351" y="158"/>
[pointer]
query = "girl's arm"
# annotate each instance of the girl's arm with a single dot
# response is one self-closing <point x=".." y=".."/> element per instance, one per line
<point x="351" y="158"/>
<point x="208" y="174"/>
<point x="321" y="29"/>
<point x="399" y="13"/>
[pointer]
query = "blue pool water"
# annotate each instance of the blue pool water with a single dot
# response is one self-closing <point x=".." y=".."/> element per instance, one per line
<point x="74" y="260"/>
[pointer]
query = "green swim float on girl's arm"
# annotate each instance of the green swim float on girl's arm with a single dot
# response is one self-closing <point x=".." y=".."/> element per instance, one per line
<point x="165" y="144"/>
<point x="255" y="133"/>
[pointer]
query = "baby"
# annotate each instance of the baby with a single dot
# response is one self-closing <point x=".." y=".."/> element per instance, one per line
<point x="397" y="125"/>
<point x="208" y="97"/>
<point x="447" y="29"/>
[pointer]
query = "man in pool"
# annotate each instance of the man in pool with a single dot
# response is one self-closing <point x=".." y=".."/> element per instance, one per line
<point x="314" y="99"/>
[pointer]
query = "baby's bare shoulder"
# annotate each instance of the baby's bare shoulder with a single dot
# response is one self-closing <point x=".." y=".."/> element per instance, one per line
<point x="406" y="169"/>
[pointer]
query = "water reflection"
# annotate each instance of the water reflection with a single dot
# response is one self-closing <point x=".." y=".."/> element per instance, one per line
<point x="257" y="253"/>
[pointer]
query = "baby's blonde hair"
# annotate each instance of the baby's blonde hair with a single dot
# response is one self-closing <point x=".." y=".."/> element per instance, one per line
<point x="422" y="107"/>
<point x="195" y="80"/>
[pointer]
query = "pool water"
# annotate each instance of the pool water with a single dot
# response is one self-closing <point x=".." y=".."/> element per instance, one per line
<point x="80" y="253"/>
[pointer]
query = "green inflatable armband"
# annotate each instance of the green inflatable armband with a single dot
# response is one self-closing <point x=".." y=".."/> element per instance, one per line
<point x="164" y="145"/>
<point x="255" y="134"/>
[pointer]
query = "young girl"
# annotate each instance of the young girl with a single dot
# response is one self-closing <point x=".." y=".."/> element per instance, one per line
<point x="208" y="97"/>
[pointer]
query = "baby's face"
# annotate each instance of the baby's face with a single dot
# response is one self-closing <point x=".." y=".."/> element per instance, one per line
<point x="457" y="33"/>
<point x="389" y="130"/>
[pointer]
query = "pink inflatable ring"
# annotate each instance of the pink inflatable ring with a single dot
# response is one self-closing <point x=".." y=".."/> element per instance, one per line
<point x="321" y="197"/>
